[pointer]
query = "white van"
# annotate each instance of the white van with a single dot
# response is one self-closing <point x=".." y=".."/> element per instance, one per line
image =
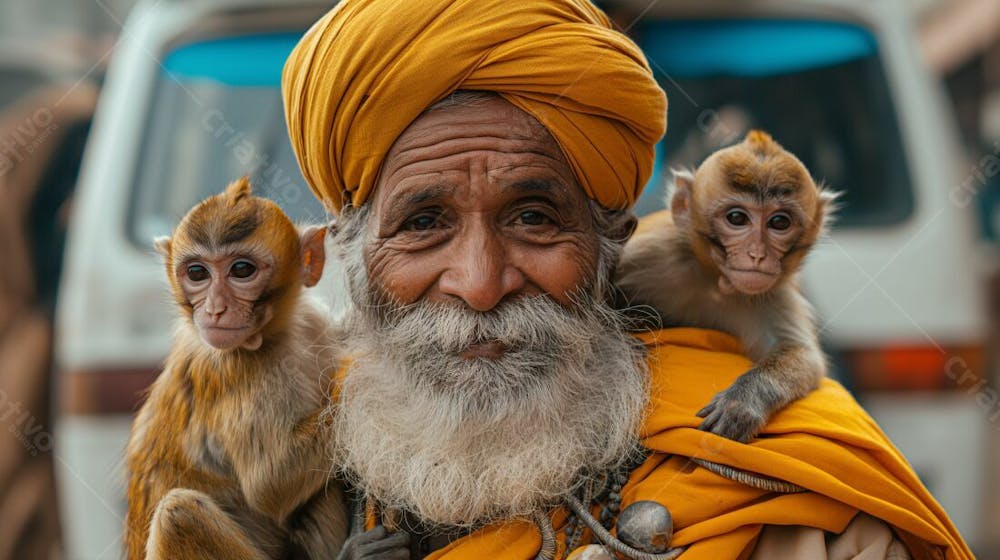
<point x="192" y="101"/>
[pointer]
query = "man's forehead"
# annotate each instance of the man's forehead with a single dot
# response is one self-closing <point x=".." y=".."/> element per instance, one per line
<point x="444" y="147"/>
<point x="485" y="118"/>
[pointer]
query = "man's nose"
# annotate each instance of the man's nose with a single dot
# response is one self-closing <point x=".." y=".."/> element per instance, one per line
<point x="480" y="273"/>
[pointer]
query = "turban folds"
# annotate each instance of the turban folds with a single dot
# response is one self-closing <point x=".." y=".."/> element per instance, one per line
<point x="369" y="68"/>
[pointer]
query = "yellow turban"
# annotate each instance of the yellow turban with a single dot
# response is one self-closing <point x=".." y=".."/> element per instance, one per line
<point x="369" y="68"/>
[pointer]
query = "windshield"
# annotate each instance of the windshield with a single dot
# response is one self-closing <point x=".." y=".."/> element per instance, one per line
<point x="217" y="116"/>
<point x="818" y="87"/>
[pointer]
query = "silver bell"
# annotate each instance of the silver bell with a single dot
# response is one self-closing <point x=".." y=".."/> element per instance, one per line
<point x="591" y="552"/>
<point x="646" y="526"/>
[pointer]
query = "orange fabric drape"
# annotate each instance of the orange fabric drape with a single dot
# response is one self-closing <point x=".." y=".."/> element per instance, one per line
<point x="824" y="442"/>
<point x="368" y="68"/>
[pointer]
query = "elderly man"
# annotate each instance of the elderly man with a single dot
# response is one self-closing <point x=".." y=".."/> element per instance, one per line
<point x="482" y="157"/>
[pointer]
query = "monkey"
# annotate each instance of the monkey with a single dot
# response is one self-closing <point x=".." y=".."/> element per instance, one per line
<point x="725" y="255"/>
<point x="230" y="456"/>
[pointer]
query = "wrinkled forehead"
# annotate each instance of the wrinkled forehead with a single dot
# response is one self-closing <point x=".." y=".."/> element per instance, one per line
<point x="487" y="122"/>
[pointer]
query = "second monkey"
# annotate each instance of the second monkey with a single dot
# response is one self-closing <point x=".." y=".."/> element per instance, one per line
<point x="726" y="256"/>
<point x="229" y="457"/>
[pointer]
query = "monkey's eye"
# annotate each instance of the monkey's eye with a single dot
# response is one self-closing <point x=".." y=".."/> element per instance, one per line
<point x="197" y="273"/>
<point x="737" y="217"/>
<point x="780" y="222"/>
<point x="242" y="269"/>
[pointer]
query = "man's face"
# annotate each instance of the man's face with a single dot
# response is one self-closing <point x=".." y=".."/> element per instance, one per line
<point x="489" y="374"/>
<point x="476" y="204"/>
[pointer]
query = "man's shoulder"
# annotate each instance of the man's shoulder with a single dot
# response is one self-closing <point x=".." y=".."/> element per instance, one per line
<point x="688" y="366"/>
<point x="824" y="443"/>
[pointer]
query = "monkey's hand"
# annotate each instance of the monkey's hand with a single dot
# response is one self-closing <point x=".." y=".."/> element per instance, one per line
<point x="377" y="544"/>
<point x="740" y="411"/>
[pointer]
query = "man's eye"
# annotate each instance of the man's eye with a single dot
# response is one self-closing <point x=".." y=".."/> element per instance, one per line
<point x="422" y="222"/>
<point x="533" y="218"/>
<point x="197" y="273"/>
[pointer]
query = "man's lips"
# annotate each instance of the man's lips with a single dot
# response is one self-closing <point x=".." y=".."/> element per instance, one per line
<point x="487" y="350"/>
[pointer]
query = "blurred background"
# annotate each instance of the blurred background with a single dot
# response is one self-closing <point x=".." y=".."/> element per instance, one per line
<point x="117" y="116"/>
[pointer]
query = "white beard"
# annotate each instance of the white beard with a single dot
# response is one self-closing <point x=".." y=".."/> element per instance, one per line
<point x="464" y="442"/>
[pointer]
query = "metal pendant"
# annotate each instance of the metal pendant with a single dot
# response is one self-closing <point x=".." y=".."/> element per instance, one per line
<point x="646" y="526"/>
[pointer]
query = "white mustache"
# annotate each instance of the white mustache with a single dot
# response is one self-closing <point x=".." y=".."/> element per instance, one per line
<point x="531" y="322"/>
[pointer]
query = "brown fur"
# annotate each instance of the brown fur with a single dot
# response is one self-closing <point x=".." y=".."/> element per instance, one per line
<point x="677" y="259"/>
<point x="229" y="456"/>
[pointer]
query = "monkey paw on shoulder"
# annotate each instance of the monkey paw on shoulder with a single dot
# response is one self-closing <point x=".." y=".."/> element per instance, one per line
<point x="739" y="412"/>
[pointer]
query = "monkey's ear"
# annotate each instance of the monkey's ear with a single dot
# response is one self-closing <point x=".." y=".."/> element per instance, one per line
<point x="680" y="198"/>
<point x="162" y="245"/>
<point x="312" y="254"/>
<point x="829" y="204"/>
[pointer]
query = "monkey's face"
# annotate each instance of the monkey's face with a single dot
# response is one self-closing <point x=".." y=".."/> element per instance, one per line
<point x="236" y="264"/>
<point x="758" y="212"/>
<point x="754" y="239"/>
<point x="224" y="292"/>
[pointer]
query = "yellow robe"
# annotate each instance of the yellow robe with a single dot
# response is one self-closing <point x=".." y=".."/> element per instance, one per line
<point x="824" y="442"/>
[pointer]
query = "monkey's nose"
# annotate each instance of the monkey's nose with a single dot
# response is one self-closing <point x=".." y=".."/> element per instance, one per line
<point x="757" y="252"/>
<point x="215" y="311"/>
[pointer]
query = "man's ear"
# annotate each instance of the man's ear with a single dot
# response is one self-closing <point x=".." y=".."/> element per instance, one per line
<point x="623" y="231"/>
<point x="162" y="246"/>
<point x="680" y="198"/>
<point x="621" y="224"/>
<point x="312" y="254"/>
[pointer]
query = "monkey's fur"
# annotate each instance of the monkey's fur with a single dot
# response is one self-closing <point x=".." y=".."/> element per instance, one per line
<point x="229" y="456"/>
<point x="714" y="260"/>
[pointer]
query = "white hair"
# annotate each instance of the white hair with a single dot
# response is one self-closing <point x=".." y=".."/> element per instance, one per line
<point x="463" y="442"/>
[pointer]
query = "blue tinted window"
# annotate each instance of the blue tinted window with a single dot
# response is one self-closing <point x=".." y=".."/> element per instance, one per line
<point x="693" y="49"/>
<point x="249" y="60"/>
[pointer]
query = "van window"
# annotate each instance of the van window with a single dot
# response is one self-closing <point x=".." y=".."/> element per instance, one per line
<point x="818" y="87"/>
<point x="217" y="115"/>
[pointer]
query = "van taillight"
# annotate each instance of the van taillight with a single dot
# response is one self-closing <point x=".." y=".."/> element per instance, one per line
<point x="105" y="391"/>
<point x="916" y="367"/>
